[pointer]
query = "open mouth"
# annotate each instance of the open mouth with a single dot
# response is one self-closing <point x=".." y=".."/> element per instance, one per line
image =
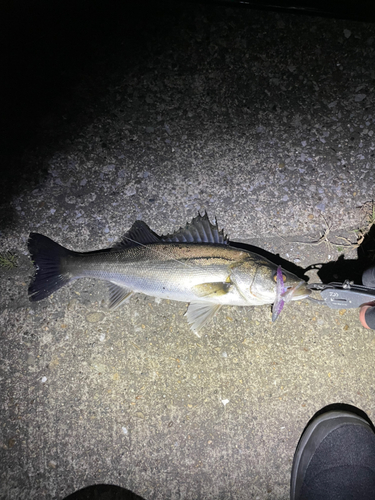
<point x="296" y="292"/>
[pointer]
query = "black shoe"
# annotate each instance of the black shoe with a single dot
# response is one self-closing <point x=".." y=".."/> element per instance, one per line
<point x="335" y="457"/>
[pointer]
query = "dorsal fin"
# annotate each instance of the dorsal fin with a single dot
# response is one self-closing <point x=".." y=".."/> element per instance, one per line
<point x="138" y="234"/>
<point x="199" y="230"/>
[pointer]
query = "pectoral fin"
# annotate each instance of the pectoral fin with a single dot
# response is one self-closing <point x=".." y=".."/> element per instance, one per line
<point x="118" y="295"/>
<point x="216" y="289"/>
<point x="199" y="313"/>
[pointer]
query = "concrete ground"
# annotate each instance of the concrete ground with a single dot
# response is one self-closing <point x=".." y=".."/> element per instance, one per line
<point x="266" y="120"/>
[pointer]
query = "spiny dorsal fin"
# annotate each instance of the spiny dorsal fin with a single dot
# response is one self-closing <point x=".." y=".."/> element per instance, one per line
<point x="199" y="230"/>
<point x="138" y="234"/>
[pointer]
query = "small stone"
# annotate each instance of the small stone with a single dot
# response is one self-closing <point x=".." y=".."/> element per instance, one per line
<point x="11" y="442"/>
<point x="94" y="317"/>
<point x="71" y="304"/>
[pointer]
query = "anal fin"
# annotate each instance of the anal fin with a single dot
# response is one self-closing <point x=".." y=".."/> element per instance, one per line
<point x="199" y="313"/>
<point x="118" y="295"/>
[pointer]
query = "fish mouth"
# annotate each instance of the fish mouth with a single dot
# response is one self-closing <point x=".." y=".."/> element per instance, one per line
<point x="296" y="292"/>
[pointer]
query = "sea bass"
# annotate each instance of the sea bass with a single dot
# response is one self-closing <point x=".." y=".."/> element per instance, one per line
<point x="195" y="264"/>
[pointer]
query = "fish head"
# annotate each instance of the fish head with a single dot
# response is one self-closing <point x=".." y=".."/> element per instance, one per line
<point x="258" y="282"/>
<point x="292" y="287"/>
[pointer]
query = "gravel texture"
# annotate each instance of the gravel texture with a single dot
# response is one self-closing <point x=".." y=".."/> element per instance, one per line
<point x="265" y="120"/>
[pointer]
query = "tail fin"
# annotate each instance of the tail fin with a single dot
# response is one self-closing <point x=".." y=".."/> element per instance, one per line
<point x="46" y="255"/>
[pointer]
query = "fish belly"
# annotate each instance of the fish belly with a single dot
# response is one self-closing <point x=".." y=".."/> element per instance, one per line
<point x="177" y="285"/>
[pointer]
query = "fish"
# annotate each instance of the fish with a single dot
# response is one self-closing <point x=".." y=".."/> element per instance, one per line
<point x="195" y="264"/>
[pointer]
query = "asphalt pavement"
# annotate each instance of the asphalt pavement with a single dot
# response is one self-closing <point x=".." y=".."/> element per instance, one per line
<point x="265" y="120"/>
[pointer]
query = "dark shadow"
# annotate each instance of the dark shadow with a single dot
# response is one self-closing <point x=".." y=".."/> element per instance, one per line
<point x="362" y="10"/>
<point x="349" y="269"/>
<point x="58" y="59"/>
<point x="103" y="492"/>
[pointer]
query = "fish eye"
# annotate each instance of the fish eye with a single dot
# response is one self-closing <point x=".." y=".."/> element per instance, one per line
<point x="275" y="278"/>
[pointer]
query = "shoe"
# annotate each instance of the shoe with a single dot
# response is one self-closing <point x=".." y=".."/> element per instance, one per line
<point x="335" y="457"/>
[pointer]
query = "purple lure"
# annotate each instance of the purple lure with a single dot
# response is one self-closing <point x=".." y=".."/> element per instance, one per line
<point x="280" y="290"/>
